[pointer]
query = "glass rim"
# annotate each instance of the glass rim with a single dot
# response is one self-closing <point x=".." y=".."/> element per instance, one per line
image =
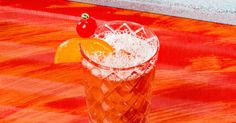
<point x="121" y="68"/>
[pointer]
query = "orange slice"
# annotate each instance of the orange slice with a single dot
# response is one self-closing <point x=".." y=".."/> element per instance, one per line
<point x="69" y="51"/>
<point x="93" y="45"/>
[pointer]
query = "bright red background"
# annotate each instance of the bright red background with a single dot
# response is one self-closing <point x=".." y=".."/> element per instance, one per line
<point x="195" y="81"/>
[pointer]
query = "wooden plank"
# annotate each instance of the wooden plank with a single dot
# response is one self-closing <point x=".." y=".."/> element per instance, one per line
<point x="211" y="10"/>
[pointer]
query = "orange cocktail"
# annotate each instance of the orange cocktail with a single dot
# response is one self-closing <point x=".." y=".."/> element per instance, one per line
<point x="118" y="85"/>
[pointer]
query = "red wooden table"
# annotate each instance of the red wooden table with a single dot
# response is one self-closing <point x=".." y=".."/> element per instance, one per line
<point x="195" y="81"/>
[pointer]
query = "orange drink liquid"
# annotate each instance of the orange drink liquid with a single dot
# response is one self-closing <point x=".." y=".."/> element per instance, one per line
<point x="123" y="102"/>
<point x="118" y="88"/>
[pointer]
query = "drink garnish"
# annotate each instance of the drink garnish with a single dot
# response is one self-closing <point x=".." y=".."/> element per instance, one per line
<point x="86" y="26"/>
<point x="69" y="51"/>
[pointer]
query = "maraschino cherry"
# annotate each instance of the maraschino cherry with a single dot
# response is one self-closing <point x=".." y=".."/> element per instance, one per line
<point x="86" y="26"/>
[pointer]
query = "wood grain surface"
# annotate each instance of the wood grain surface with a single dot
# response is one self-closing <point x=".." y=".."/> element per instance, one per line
<point x="195" y="78"/>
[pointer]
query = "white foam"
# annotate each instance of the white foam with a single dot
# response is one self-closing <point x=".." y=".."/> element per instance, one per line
<point x="130" y="51"/>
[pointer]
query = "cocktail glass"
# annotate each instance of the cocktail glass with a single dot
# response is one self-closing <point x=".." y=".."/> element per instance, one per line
<point x="120" y="94"/>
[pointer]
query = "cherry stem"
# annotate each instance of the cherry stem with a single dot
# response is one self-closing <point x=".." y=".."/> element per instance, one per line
<point x="85" y="16"/>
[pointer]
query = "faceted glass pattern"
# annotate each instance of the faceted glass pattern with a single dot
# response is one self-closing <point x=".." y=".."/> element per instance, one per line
<point x="113" y="98"/>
